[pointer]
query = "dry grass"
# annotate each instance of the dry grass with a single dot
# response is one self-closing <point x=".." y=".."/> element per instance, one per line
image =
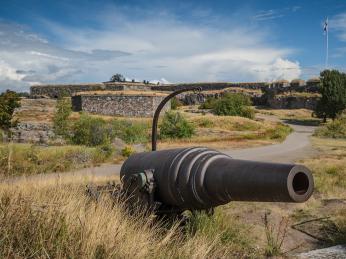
<point x="299" y="94"/>
<point x="53" y="220"/>
<point x="26" y="159"/>
<point x="286" y="113"/>
<point x="329" y="168"/>
<point x="35" y="110"/>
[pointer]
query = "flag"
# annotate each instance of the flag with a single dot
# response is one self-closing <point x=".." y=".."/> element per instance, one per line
<point x="325" y="27"/>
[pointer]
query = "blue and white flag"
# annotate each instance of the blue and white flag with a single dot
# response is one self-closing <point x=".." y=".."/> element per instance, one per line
<point x="325" y="27"/>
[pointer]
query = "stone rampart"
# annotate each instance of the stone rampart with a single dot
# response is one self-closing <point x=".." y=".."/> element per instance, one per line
<point x="209" y="86"/>
<point x="292" y="102"/>
<point x="57" y="90"/>
<point x="128" y="104"/>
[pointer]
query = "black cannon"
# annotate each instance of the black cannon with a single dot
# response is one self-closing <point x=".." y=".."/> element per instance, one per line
<point x="198" y="178"/>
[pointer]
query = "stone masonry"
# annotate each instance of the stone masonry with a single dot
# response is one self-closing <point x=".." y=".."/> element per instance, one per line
<point x="57" y="90"/>
<point x="127" y="103"/>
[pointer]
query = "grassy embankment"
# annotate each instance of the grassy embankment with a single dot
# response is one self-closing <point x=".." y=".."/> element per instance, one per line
<point x="53" y="220"/>
<point x="27" y="159"/>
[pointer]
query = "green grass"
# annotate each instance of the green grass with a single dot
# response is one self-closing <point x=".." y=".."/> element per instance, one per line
<point x="26" y="159"/>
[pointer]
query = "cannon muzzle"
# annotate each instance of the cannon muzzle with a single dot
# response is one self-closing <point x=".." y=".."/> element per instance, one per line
<point x="201" y="178"/>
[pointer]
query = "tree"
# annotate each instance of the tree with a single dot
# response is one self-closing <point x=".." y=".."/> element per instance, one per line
<point x="9" y="101"/>
<point x="333" y="91"/>
<point x="117" y="78"/>
<point x="60" y="119"/>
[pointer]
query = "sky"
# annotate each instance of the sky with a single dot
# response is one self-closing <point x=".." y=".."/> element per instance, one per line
<point x="168" y="41"/>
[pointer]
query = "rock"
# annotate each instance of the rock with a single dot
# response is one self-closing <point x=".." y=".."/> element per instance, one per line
<point x="32" y="132"/>
<point x="334" y="252"/>
<point x="118" y="144"/>
<point x="138" y="148"/>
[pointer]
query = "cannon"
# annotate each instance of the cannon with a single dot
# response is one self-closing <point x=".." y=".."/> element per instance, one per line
<point x="198" y="178"/>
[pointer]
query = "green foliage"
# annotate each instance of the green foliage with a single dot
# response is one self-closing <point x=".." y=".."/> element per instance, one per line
<point x="9" y="100"/>
<point x="130" y="132"/>
<point x="234" y="105"/>
<point x="208" y="104"/>
<point x="174" y="125"/>
<point x="333" y="129"/>
<point x="60" y="119"/>
<point x="1" y="136"/>
<point x="90" y="131"/>
<point x="117" y="78"/>
<point x="333" y="91"/>
<point x="127" y="151"/>
<point x="175" y="103"/>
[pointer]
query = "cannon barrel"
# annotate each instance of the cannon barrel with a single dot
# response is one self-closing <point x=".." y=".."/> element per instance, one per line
<point x="201" y="178"/>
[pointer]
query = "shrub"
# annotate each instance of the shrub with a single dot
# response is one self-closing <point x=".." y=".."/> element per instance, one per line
<point x="234" y="105"/>
<point x="174" y="125"/>
<point x="60" y="119"/>
<point x="130" y="132"/>
<point x="90" y="131"/>
<point x="175" y="103"/>
<point x="333" y="129"/>
<point x="208" y="104"/>
<point x="127" y="151"/>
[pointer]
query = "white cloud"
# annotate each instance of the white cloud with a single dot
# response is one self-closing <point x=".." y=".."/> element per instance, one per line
<point x="158" y="47"/>
<point x="338" y="23"/>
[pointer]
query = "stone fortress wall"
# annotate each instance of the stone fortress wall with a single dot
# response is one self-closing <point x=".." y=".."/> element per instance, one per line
<point x="121" y="103"/>
<point x="57" y="90"/>
<point x="276" y="94"/>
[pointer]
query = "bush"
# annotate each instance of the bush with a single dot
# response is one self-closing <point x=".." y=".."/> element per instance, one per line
<point x="175" y="103"/>
<point x="60" y="119"/>
<point x="130" y="132"/>
<point x="127" y="151"/>
<point x="333" y="129"/>
<point x="174" y="125"/>
<point x="208" y="104"/>
<point x="90" y="131"/>
<point x="234" y="105"/>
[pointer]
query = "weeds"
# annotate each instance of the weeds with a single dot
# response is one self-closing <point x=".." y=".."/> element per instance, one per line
<point x="274" y="237"/>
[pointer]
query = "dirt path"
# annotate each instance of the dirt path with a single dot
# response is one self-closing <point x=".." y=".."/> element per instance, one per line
<point x="296" y="146"/>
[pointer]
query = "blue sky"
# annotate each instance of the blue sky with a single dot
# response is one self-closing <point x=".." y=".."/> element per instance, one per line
<point x="170" y="41"/>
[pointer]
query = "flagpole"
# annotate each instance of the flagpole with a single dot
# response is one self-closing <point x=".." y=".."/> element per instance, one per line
<point x="327" y="43"/>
